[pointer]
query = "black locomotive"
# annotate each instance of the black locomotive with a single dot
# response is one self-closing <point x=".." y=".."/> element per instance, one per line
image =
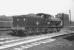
<point x="35" y="25"/>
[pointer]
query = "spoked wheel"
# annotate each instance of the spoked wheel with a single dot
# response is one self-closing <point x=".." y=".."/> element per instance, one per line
<point x="50" y="30"/>
<point x="20" y="33"/>
<point x="58" y="29"/>
<point x="54" y="30"/>
<point x="13" y="33"/>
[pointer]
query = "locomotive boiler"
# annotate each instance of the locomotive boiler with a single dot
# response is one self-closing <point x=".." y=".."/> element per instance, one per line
<point x="35" y="25"/>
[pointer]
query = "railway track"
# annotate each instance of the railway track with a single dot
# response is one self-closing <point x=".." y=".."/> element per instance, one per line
<point x="25" y="43"/>
<point x="14" y="43"/>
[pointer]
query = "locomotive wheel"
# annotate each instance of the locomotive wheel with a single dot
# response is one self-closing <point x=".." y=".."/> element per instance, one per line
<point x="58" y="29"/>
<point x="20" y="33"/>
<point x="54" y="30"/>
<point x="50" y="30"/>
<point x="14" y="33"/>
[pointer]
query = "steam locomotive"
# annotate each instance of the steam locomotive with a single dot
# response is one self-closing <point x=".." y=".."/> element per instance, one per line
<point x="25" y="25"/>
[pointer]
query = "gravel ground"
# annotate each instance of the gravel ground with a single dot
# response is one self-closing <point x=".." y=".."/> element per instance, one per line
<point x="59" y="44"/>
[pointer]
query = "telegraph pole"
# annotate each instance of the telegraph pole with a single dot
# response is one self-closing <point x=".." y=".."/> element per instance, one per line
<point x="70" y="17"/>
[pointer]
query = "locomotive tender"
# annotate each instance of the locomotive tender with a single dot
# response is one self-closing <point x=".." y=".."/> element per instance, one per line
<point x="35" y="25"/>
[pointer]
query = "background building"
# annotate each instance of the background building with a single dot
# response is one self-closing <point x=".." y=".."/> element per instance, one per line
<point x="64" y="18"/>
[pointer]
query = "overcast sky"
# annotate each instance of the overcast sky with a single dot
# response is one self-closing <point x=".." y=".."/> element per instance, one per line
<point x="17" y="7"/>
